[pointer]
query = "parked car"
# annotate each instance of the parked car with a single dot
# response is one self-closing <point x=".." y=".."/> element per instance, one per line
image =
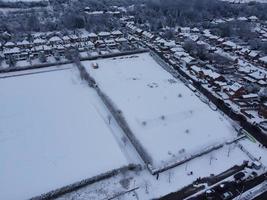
<point x="227" y="195"/>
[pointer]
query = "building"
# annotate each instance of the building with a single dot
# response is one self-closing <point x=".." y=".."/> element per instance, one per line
<point x="263" y="61"/>
<point x="263" y="110"/>
<point x="116" y="34"/>
<point x="104" y="35"/>
<point x="55" y="40"/>
<point x="235" y="90"/>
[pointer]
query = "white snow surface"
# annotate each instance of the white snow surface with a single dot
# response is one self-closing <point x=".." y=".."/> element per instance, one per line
<point x="51" y="134"/>
<point x="144" y="92"/>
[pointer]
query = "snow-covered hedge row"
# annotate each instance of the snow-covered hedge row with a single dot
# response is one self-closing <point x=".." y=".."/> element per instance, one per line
<point x="72" y="187"/>
<point x="118" y="115"/>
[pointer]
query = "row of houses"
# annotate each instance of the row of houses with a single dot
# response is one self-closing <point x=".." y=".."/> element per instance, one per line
<point x="42" y="39"/>
<point x="241" y="18"/>
<point x="83" y="42"/>
<point x="229" y="46"/>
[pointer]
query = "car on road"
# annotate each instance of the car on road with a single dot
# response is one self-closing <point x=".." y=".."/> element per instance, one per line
<point x="226" y="195"/>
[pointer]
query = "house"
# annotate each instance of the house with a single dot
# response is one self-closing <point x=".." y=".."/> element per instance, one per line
<point x="116" y="33"/>
<point x="263" y="110"/>
<point x="66" y="39"/>
<point x="35" y="51"/>
<point x="188" y="61"/>
<point x="148" y="36"/>
<point x="177" y="48"/>
<point x="242" y="19"/>
<point x="103" y="35"/>
<point x="253" y="18"/>
<point x="47" y="49"/>
<point x="243" y="52"/>
<point x="253" y="55"/>
<point x="263" y="61"/>
<point x="15" y="51"/>
<point x="197" y="71"/>
<point x="138" y="31"/>
<point x="100" y="44"/>
<point x="258" y="75"/>
<point x="24" y="44"/>
<point x="262" y="83"/>
<point x="55" y="40"/>
<point x="224" y="69"/>
<point x="74" y="38"/>
<point x="235" y="90"/>
<point x="219" y="85"/>
<point x="9" y="45"/>
<point x="60" y="49"/>
<point x="207" y="74"/>
<point x="250" y="97"/>
<point x="195" y="30"/>
<point x="122" y="41"/>
<point x="185" y="29"/>
<point x="110" y="43"/>
<point x="38" y="41"/>
<point x="248" y="79"/>
<point x="84" y="36"/>
<point x="92" y="37"/>
<point x="89" y="45"/>
<point x="246" y="70"/>
<point x="246" y="104"/>
<point x="179" y="54"/>
<point x="229" y="46"/>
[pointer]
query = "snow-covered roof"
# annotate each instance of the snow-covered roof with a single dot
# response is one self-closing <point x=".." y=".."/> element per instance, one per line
<point x="235" y="87"/>
<point x="230" y="44"/>
<point x="245" y="50"/>
<point x="258" y="75"/>
<point x="109" y="41"/>
<point x="187" y="59"/>
<point x="195" y="29"/>
<point x="177" y="49"/>
<point x="242" y="19"/>
<point x="263" y="59"/>
<point x="55" y="39"/>
<point x="89" y="43"/>
<point x="65" y="38"/>
<point x="253" y="18"/>
<point x="148" y="34"/>
<point x="73" y="37"/>
<point x="8" y="44"/>
<point x="122" y="39"/>
<point x="12" y="50"/>
<point x="117" y="32"/>
<point x="39" y="41"/>
<point x="262" y="82"/>
<point x="24" y="42"/>
<point x="47" y="48"/>
<point x="104" y="34"/>
<point x="92" y="35"/>
<point x="253" y="54"/>
<point x="179" y="54"/>
<point x="248" y="96"/>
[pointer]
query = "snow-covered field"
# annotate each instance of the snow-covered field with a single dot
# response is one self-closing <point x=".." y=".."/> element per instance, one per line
<point x="51" y="134"/>
<point x="167" y="118"/>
